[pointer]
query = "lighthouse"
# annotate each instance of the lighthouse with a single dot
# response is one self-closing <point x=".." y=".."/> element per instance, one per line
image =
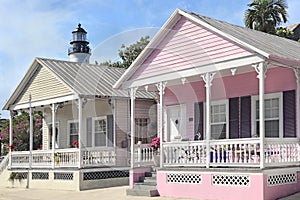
<point x="79" y="50"/>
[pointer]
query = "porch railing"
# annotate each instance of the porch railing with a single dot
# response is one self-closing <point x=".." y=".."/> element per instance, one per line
<point x="4" y="163"/>
<point x="232" y="153"/>
<point x="63" y="158"/>
<point x="143" y="155"/>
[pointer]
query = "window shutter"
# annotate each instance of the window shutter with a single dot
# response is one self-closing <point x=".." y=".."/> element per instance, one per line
<point x="245" y="117"/>
<point x="89" y="131"/>
<point x="110" y="130"/>
<point x="198" y="121"/>
<point x="234" y="118"/>
<point x="289" y="113"/>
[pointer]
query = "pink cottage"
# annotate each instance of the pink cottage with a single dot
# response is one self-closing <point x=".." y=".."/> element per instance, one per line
<point x="228" y="111"/>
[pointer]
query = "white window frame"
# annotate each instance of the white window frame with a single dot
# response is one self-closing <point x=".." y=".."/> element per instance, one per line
<point x="255" y="98"/>
<point x="68" y="131"/>
<point x="217" y="102"/>
<point x="93" y="132"/>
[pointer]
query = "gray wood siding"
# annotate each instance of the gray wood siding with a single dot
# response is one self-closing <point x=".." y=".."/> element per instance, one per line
<point x="44" y="85"/>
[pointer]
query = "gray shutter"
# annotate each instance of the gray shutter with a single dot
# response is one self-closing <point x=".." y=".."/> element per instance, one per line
<point x="289" y="113"/>
<point x="245" y="117"/>
<point x="234" y="118"/>
<point x="110" y="130"/>
<point x="89" y="131"/>
<point x="198" y="120"/>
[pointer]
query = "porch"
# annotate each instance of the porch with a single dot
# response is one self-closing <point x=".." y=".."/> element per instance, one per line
<point x="229" y="153"/>
<point x="63" y="158"/>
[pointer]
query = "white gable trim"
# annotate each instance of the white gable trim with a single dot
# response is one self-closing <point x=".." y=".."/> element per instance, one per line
<point x="206" y="25"/>
<point x="239" y="62"/>
<point x="44" y="102"/>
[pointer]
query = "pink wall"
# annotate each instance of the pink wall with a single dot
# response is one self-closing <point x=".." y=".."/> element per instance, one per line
<point x="277" y="80"/>
<point x="206" y="190"/>
<point x="257" y="189"/>
<point x="188" y="45"/>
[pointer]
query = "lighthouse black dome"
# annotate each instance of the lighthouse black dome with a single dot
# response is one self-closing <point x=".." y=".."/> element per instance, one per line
<point x="79" y="29"/>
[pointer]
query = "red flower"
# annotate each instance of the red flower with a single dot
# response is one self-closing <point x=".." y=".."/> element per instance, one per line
<point x="75" y="143"/>
<point x="11" y="147"/>
<point x="155" y="143"/>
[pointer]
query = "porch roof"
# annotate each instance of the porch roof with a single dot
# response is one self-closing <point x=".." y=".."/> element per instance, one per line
<point x="81" y="79"/>
<point x="261" y="45"/>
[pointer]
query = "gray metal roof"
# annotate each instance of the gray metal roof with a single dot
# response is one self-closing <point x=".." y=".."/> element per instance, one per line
<point x="271" y="44"/>
<point x="89" y="79"/>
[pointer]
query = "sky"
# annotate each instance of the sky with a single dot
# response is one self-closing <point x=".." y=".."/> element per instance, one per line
<point x="38" y="28"/>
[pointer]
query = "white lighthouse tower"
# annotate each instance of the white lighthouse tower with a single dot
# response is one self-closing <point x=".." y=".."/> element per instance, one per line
<point x="80" y="51"/>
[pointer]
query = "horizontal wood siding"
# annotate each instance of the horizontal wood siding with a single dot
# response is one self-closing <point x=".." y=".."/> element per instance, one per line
<point x="44" y="85"/>
<point x="277" y="80"/>
<point x="188" y="45"/>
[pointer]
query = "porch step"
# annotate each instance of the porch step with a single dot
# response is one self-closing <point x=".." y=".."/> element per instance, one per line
<point x="146" y="186"/>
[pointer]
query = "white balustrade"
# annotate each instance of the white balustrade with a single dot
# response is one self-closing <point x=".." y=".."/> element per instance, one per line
<point x="96" y="157"/>
<point x="66" y="157"/>
<point x="144" y="154"/>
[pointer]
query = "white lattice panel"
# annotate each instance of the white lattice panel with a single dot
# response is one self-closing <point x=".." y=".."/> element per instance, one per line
<point x="189" y="178"/>
<point x="282" y="179"/>
<point x="231" y="180"/>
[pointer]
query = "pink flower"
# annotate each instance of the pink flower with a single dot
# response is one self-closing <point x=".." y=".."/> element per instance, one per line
<point x="155" y="143"/>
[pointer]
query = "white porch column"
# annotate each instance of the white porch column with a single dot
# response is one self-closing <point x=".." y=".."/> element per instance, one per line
<point x="80" y="108"/>
<point x="161" y="88"/>
<point x="207" y="78"/>
<point x="10" y="135"/>
<point x="297" y="74"/>
<point x="261" y="69"/>
<point x="53" y="108"/>
<point x="30" y="132"/>
<point x="132" y="124"/>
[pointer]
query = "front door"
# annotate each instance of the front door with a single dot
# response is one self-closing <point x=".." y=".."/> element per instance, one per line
<point x="56" y="136"/>
<point x="176" y="122"/>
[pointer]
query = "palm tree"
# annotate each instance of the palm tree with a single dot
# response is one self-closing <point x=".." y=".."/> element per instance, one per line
<point x="265" y="15"/>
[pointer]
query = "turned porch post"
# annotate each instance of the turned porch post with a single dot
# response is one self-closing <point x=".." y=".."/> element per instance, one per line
<point x="207" y="78"/>
<point x="297" y="74"/>
<point x="261" y="70"/>
<point x="80" y="108"/>
<point x="10" y="135"/>
<point x="30" y="132"/>
<point x="132" y="124"/>
<point x="53" y="108"/>
<point x="161" y="88"/>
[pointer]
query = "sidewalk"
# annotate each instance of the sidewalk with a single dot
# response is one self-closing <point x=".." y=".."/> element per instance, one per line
<point x="105" y="194"/>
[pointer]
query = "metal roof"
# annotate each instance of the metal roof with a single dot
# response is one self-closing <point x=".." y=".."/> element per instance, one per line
<point x="271" y="44"/>
<point x="88" y="79"/>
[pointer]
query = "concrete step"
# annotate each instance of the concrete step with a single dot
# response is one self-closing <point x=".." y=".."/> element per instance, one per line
<point x="147" y="185"/>
<point x="149" y="180"/>
<point x="145" y="193"/>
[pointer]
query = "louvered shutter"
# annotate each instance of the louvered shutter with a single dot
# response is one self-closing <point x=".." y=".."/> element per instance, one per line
<point x="89" y="131"/>
<point x="245" y="117"/>
<point x="289" y="113"/>
<point x="234" y="118"/>
<point x="110" y="130"/>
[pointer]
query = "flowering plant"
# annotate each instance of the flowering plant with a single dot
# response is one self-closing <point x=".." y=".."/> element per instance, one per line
<point x="75" y="143"/>
<point x="11" y="147"/>
<point x="155" y="143"/>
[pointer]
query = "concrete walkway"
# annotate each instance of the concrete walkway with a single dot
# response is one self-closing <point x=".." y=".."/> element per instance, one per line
<point x="118" y="193"/>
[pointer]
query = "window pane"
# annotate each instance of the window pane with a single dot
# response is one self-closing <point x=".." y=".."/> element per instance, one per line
<point x="218" y="131"/>
<point x="272" y="128"/>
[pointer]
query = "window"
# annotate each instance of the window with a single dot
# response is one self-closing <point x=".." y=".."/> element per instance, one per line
<point x="100" y="131"/>
<point x="272" y="116"/>
<point x="141" y="130"/>
<point x="73" y="131"/>
<point x="218" y="120"/>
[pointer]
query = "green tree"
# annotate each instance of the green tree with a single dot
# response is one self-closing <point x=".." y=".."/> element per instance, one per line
<point x="284" y="32"/>
<point x="266" y="15"/>
<point x="21" y="131"/>
<point x="128" y="54"/>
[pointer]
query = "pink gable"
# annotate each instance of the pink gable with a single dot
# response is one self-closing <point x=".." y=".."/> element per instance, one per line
<point x="188" y="45"/>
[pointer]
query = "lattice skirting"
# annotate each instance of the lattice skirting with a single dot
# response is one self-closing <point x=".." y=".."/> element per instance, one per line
<point x="40" y="176"/>
<point x="231" y="180"/>
<point x="105" y="175"/>
<point x="63" y="176"/>
<point x="188" y="178"/>
<point x="282" y="179"/>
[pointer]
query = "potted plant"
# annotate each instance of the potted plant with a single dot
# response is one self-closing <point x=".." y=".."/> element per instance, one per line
<point x="75" y="144"/>
<point x="155" y="144"/>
